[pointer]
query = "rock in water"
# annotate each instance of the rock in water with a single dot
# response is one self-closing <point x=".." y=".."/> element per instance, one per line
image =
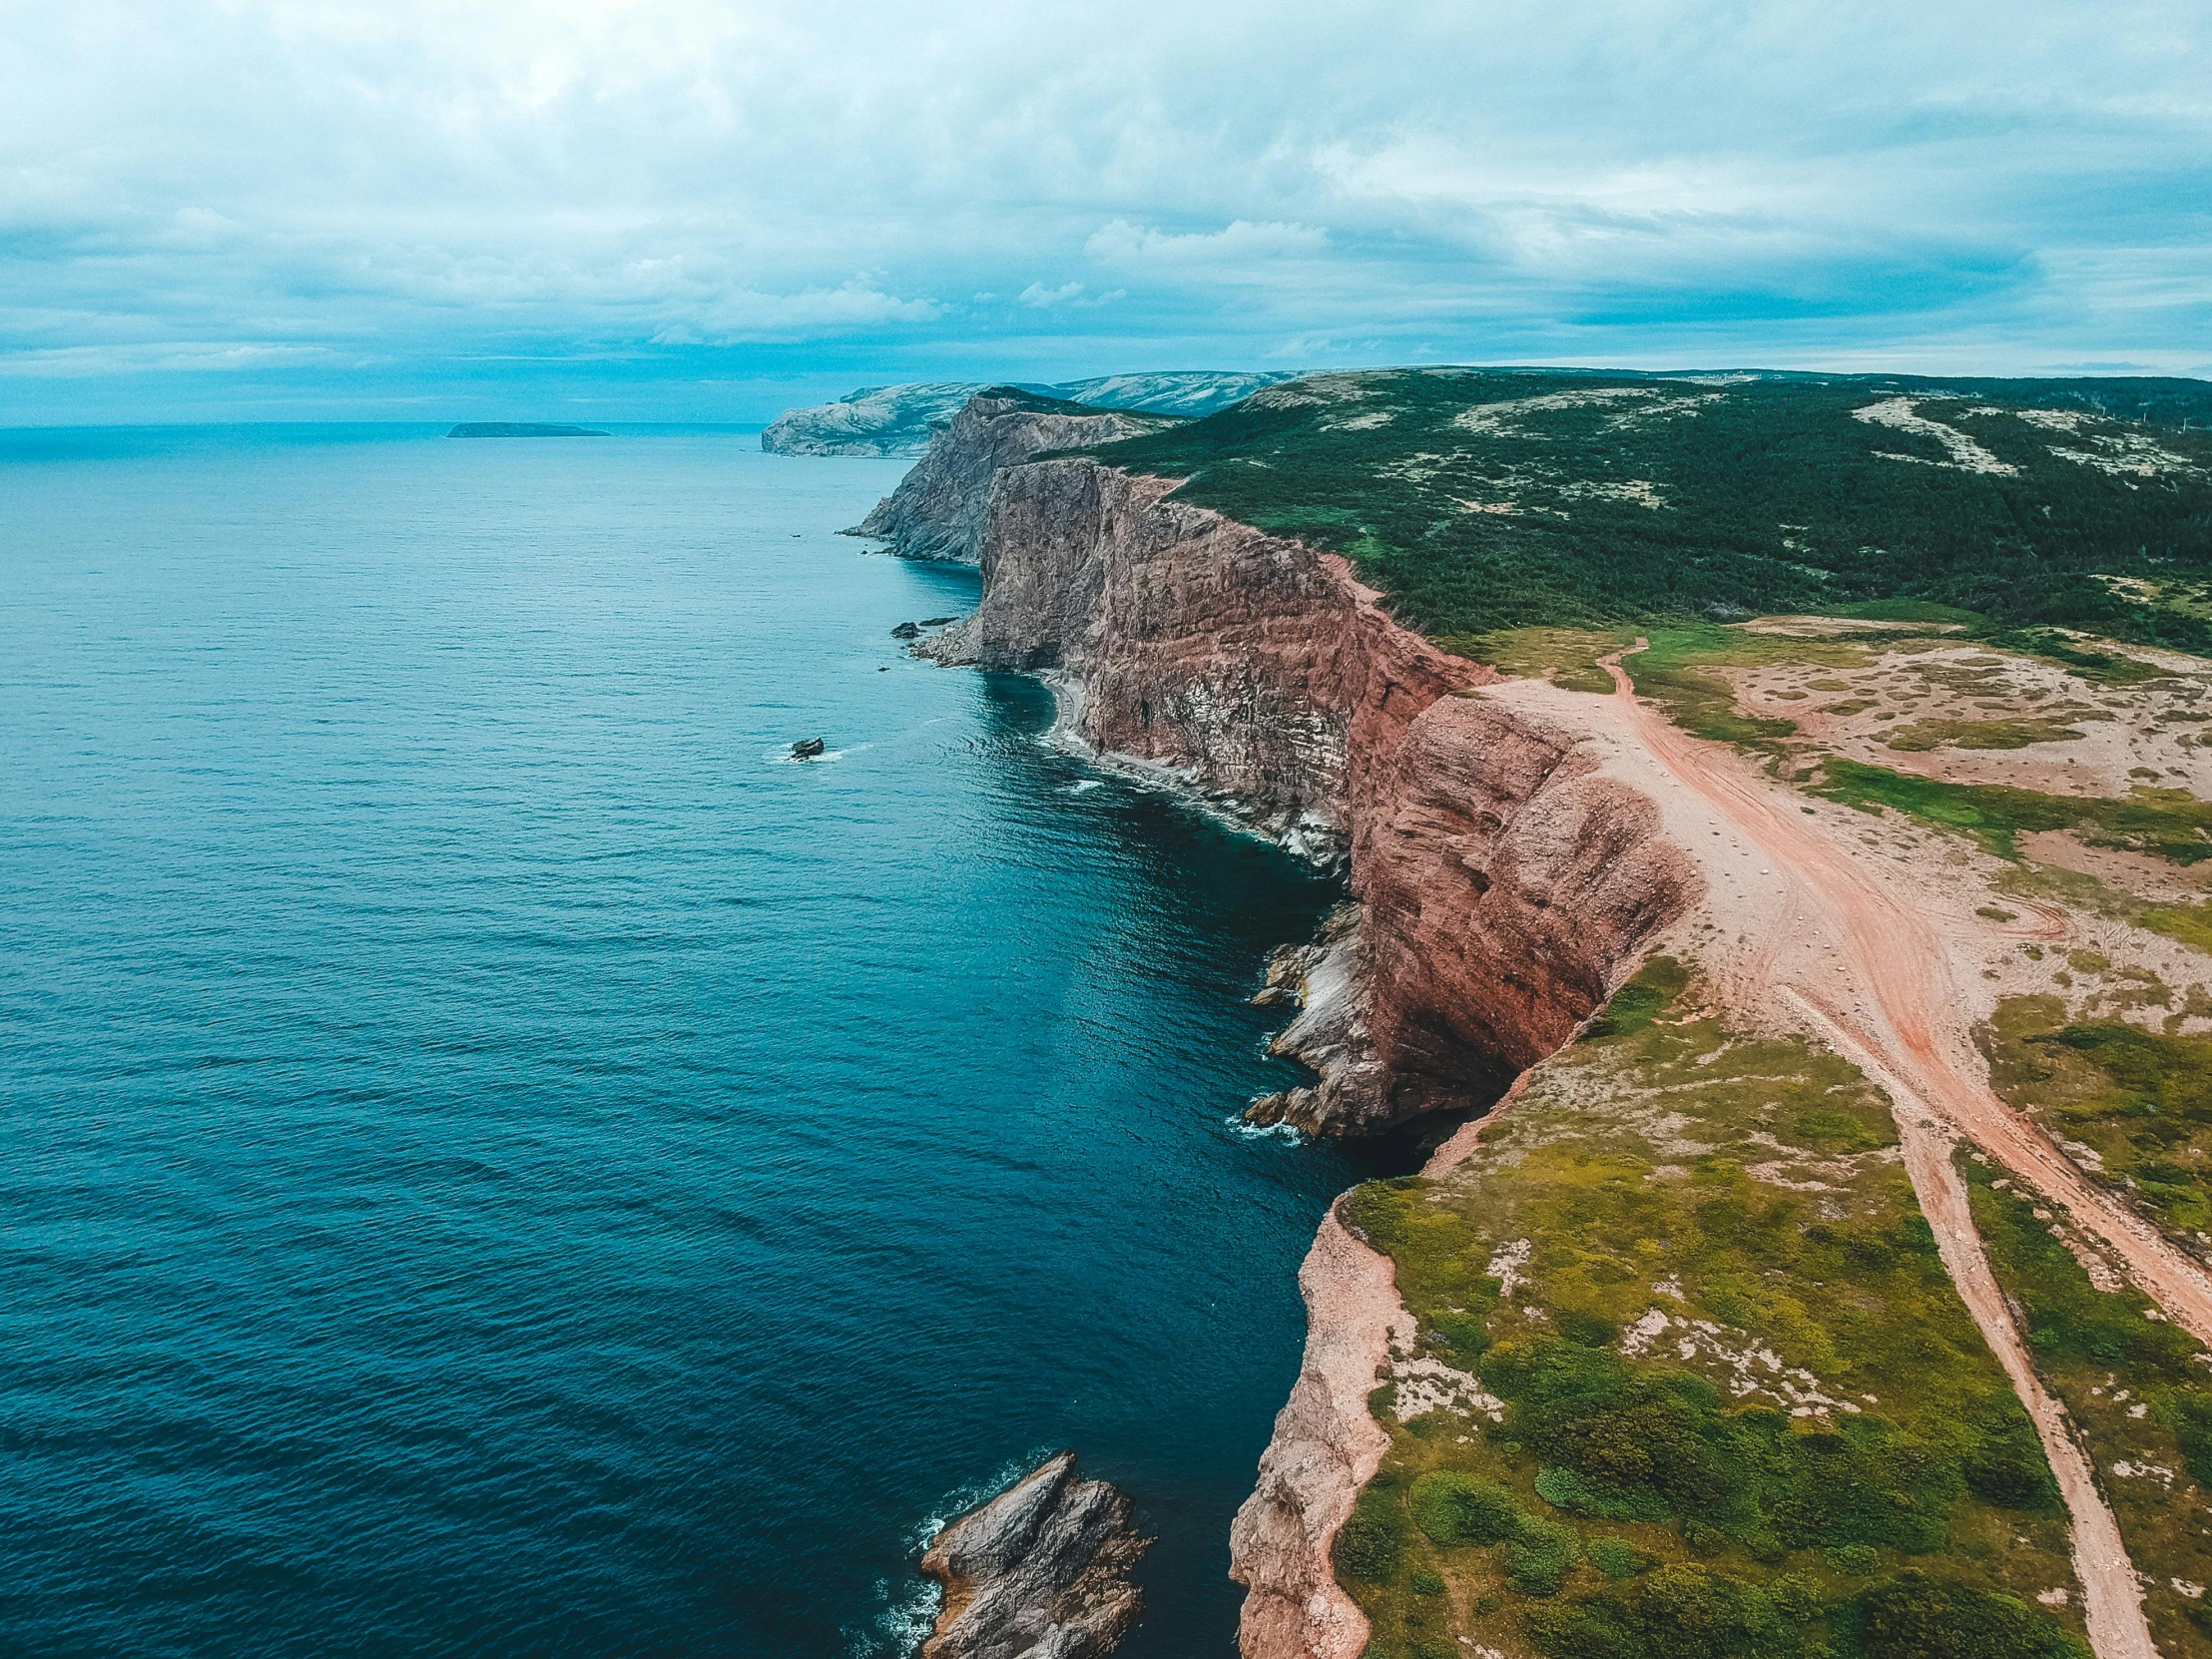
<point x="808" y="747"/>
<point x="1040" y="1572"/>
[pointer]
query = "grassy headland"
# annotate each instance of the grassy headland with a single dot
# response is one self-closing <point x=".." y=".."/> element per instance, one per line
<point x="1483" y="501"/>
<point x="1692" y="1378"/>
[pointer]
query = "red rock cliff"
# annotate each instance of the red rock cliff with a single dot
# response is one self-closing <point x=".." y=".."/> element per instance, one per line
<point x="1503" y="883"/>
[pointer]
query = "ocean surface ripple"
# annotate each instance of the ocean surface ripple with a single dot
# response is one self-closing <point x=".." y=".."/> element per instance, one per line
<point x="500" y="1160"/>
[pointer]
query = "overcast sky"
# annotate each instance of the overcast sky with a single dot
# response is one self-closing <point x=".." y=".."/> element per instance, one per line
<point x="683" y="209"/>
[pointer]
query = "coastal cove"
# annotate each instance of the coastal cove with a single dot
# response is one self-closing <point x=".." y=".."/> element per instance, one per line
<point x="505" y="1161"/>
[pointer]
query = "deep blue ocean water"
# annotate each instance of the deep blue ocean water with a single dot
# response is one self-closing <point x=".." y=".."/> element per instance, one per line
<point x="495" y="1160"/>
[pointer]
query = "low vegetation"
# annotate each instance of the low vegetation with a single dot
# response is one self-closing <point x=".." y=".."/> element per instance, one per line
<point x="2168" y="823"/>
<point x="1491" y="500"/>
<point x="2138" y="1389"/>
<point x="2139" y="1100"/>
<point x="1692" y="1378"/>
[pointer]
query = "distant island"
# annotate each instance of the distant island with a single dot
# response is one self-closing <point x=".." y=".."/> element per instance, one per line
<point x="519" y="429"/>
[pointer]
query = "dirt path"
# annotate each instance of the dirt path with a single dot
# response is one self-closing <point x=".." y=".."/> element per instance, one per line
<point x="2112" y="1597"/>
<point x="1889" y="1005"/>
<point x="1892" y="997"/>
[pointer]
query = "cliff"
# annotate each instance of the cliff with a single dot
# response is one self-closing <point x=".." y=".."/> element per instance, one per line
<point x="1810" y="1030"/>
<point x="940" y="508"/>
<point x="873" y="421"/>
<point x="1503" y="882"/>
<point x="901" y="420"/>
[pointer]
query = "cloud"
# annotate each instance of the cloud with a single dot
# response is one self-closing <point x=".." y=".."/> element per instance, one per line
<point x="736" y="191"/>
<point x="76" y="362"/>
<point x="1230" y="248"/>
<point x="1037" y="294"/>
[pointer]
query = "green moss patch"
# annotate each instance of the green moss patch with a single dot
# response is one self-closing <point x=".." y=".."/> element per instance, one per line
<point x="1925" y="735"/>
<point x="2140" y="1100"/>
<point x="1715" y="1391"/>
<point x="2168" y="823"/>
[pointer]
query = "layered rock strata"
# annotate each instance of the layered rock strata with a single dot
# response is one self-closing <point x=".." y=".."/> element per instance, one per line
<point x="1503" y="882"/>
<point x="1041" y="1571"/>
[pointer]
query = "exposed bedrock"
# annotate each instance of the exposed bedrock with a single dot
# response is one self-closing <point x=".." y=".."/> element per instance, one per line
<point x="1041" y="1571"/>
<point x="939" y="507"/>
<point x="1504" y="883"/>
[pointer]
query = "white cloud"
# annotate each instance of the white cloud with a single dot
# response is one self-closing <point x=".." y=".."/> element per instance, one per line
<point x="1234" y="244"/>
<point x="1037" y="294"/>
<point x="2010" y="181"/>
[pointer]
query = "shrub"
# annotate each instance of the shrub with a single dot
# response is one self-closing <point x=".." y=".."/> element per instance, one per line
<point x="1456" y="1509"/>
<point x="1539" y="1558"/>
<point x="1916" y="1617"/>
<point x="1615" y="1557"/>
<point x="1464" y="1336"/>
<point x="1676" y="1612"/>
<point x="1372" y="1542"/>
<point x="1854" y="1560"/>
<point x="2006" y="1466"/>
<point x="1567" y="1490"/>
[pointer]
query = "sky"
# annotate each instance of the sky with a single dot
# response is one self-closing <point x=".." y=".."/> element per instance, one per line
<point x="675" y="210"/>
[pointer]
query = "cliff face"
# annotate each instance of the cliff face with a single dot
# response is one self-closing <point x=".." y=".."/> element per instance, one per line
<point x="873" y="421"/>
<point x="1502" y="883"/>
<point x="938" y="509"/>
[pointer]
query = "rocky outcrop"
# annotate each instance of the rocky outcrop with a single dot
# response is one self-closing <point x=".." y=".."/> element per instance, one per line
<point x="900" y="420"/>
<point x="1041" y="1571"/>
<point x="940" y="508"/>
<point x="1503" y="882"/>
<point x="874" y="422"/>
<point x="1325" y="1448"/>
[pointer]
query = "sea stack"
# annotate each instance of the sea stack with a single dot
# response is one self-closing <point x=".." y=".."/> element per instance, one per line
<point x="1041" y="1571"/>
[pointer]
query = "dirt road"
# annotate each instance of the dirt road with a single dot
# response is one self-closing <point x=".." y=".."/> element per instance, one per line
<point x="1894" y="998"/>
<point x="1885" y="1000"/>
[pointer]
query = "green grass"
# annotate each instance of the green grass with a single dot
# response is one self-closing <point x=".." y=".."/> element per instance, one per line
<point x="1647" y="1501"/>
<point x="1926" y="735"/>
<point x="2141" y="1099"/>
<point x="2105" y="1355"/>
<point x="2103" y="667"/>
<point x="1772" y="498"/>
<point x="2190" y="923"/>
<point x="1569" y="656"/>
<point x="2169" y="824"/>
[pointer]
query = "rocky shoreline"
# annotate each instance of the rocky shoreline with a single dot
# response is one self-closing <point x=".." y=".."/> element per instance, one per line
<point x="1040" y="1572"/>
<point x="1502" y="882"/>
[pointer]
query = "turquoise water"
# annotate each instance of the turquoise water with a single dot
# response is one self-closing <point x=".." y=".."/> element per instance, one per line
<point x="498" y="1161"/>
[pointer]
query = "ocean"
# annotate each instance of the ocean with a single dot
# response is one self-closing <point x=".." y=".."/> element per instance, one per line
<point x="501" y="1160"/>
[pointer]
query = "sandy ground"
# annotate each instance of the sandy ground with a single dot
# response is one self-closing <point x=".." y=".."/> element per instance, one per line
<point x="1873" y="935"/>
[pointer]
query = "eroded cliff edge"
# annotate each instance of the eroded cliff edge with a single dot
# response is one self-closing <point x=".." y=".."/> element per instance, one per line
<point x="939" y="509"/>
<point x="1502" y="883"/>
